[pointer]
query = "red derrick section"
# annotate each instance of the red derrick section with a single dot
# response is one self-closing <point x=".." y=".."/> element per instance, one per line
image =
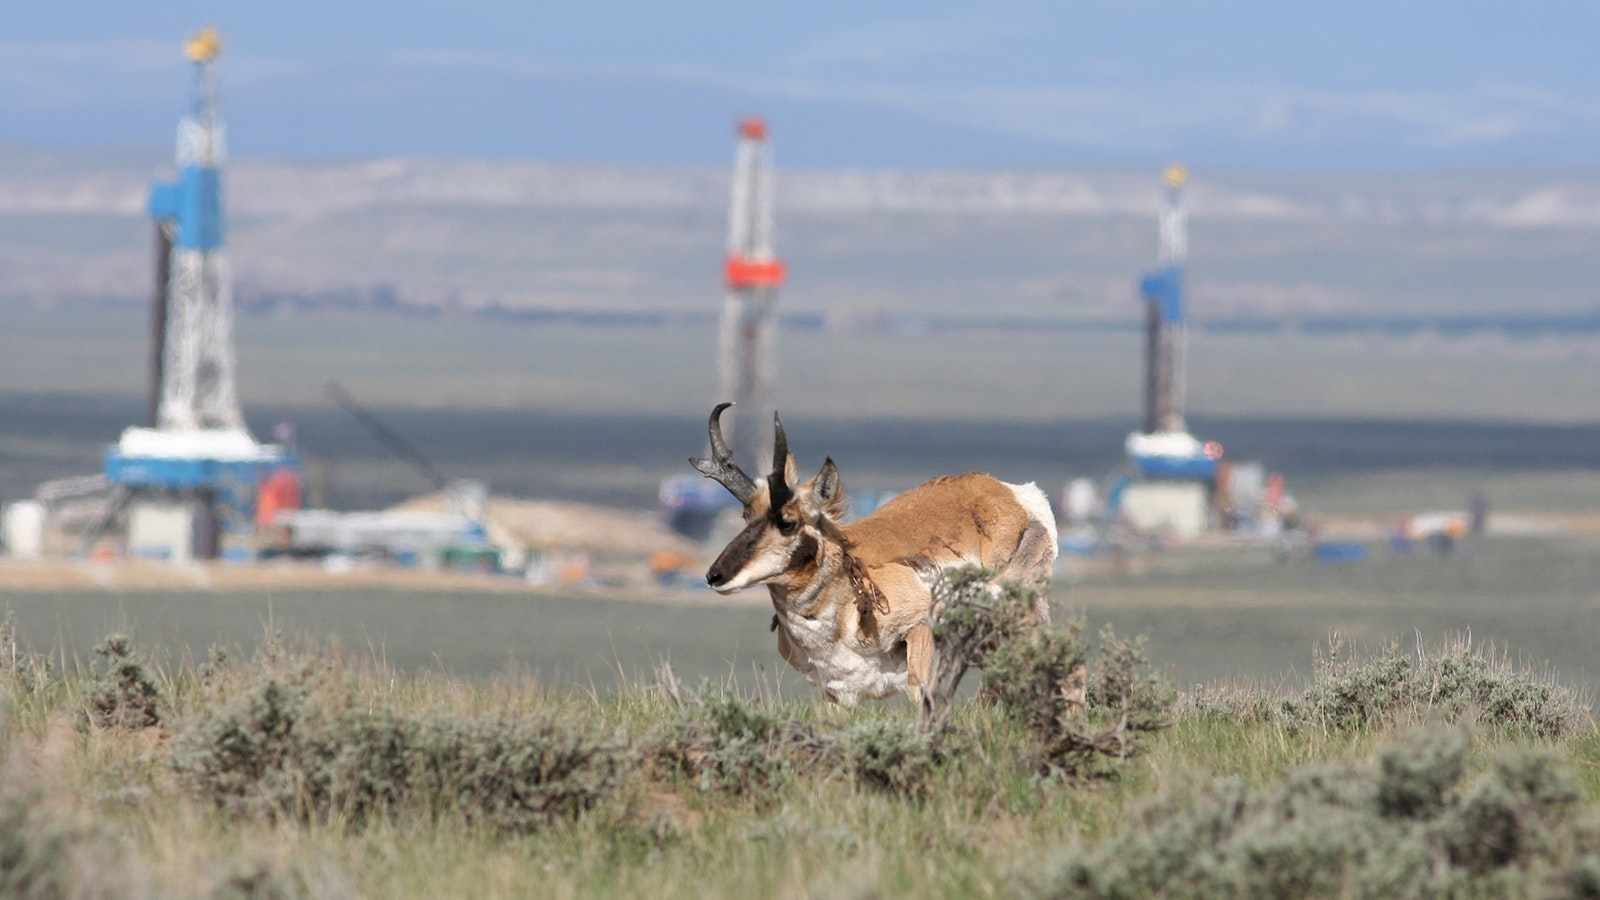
<point x="753" y="128"/>
<point x="749" y="273"/>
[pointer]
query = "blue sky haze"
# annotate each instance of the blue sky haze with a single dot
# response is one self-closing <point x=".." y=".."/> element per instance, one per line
<point x="1358" y="84"/>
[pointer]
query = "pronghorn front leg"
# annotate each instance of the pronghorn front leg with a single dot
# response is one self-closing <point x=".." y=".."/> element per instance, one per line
<point x="919" y="660"/>
<point x="791" y="654"/>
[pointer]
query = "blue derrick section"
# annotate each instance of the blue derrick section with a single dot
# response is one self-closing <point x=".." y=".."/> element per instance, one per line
<point x="1166" y="286"/>
<point x="194" y="204"/>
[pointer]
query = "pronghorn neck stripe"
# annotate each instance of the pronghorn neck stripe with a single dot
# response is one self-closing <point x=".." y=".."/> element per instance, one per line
<point x="805" y="553"/>
<point x="835" y="556"/>
<point x="807" y="596"/>
<point x="802" y="603"/>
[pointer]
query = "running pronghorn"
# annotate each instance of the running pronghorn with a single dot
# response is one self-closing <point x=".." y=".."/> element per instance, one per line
<point x="852" y="600"/>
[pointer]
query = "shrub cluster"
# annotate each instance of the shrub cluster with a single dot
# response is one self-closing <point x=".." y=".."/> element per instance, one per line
<point x="891" y="755"/>
<point x="1407" y="824"/>
<point x="1455" y="682"/>
<point x="1039" y="675"/>
<point x="281" y="749"/>
<point x="127" y="694"/>
<point x="729" y="744"/>
<point x="33" y="849"/>
<point x="48" y="849"/>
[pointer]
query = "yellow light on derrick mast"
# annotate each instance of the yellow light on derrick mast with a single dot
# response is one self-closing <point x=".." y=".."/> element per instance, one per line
<point x="205" y="46"/>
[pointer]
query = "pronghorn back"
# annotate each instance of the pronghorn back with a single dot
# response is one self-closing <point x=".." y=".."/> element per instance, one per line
<point x="974" y="519"/>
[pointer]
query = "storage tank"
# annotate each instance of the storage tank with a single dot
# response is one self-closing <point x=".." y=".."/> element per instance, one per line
<point x="22" y="529"/>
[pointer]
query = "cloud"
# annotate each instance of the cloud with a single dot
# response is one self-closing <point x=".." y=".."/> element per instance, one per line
<point x="55" y="75"/>
<point x="895" y="43"/>
<point x="1110" y="116"/>
<point x="70" y="76"/>
<point x="1114" y="116"/>
<point x="126" y="56"/>
<point x="1155" y="116"/>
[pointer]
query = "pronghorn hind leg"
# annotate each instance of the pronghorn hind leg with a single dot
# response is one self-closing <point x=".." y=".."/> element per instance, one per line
<point x="919" y="660"/>
<point x="1032" y="564"/>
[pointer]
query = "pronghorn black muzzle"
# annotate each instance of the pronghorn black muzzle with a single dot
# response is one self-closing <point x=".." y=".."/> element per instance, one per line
<point x="734" y="557"/>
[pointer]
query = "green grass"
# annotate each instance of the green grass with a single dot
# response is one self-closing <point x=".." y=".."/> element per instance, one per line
<point x="374" y="783"/>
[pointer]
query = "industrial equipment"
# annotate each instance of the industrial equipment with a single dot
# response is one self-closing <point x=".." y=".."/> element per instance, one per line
<point x="1174" y="472"/>
<point x="464" y="532"/>
<point x="752" y="275"/>
<point x="186" y="485"/>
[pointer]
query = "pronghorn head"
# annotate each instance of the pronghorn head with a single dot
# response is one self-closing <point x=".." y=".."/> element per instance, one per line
<point x="784" y="521"/>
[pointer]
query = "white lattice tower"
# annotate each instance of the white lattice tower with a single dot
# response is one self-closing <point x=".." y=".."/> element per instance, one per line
<point x="1174" y="217"/>
<point x="752" y="275"/>
<point x="1174" y="254"/>
<point x="197" y="390"/>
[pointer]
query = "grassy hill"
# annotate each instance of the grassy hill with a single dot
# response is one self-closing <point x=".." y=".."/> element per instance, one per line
<point x="299" y="772"/>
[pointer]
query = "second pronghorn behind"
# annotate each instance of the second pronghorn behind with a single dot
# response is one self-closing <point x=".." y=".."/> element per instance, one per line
<point x="852" y="601"/>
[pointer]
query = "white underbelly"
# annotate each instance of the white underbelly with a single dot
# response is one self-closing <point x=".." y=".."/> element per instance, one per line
<point x="846" y="674"/>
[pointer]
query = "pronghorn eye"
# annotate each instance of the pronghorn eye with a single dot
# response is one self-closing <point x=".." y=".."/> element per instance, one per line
<point x="787" y="526"/>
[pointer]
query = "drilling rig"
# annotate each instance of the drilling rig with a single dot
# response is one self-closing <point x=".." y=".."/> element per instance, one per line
<point x="190" y="484"/>
<point x="1164" y="448"/>
<point x="1166" y="331"/>
<point x="1175" y="474"/>
<point x="752" y="275"/>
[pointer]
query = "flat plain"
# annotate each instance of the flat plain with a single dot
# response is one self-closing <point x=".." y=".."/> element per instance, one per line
<point x="1365" y="430"/>
<point x="1212" y="616"/>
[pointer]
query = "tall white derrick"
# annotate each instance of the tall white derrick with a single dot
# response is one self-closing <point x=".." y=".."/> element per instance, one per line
<point x="197" y="389"/>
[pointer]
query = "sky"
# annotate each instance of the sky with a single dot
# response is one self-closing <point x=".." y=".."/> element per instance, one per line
<point x="1340" y="85"/>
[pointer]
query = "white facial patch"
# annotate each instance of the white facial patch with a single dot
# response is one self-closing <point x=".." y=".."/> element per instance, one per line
<point x="765" y="564"/>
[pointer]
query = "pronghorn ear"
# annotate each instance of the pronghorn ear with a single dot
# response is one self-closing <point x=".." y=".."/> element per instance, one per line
<point x="826" y="485"/>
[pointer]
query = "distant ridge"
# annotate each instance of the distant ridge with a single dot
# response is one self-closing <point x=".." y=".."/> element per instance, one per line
<point x="1504" y="249"/>
<point x="84" y="179"/>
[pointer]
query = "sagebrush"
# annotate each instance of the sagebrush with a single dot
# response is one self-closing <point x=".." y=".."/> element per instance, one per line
<point x="309" y="773"/>
<point x="1086" y="722"/>
<point x="1456" y="681"/>
<point x="1410" y="824"/>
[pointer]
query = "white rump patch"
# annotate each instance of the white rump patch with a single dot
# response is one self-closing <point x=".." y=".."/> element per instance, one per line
<point x="1037" y="504"/>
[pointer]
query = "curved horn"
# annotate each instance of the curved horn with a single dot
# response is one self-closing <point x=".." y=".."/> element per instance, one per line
<point x="719" y="445"/>
<point x="721" y="467"/>
<point x="777" y="482"/>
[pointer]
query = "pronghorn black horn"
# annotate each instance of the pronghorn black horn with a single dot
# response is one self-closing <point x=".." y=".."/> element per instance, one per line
<point x="777" y="482"/>
<point x="721" y="467"/>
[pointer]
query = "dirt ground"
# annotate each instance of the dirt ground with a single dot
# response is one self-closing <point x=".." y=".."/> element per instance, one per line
<point x="564" y="525"/>
<point x="621" y="553"/>
<point x="589" y="546"/>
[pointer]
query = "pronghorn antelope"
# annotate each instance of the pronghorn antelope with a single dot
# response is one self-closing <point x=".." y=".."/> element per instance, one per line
<point x="852" y="601"/>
